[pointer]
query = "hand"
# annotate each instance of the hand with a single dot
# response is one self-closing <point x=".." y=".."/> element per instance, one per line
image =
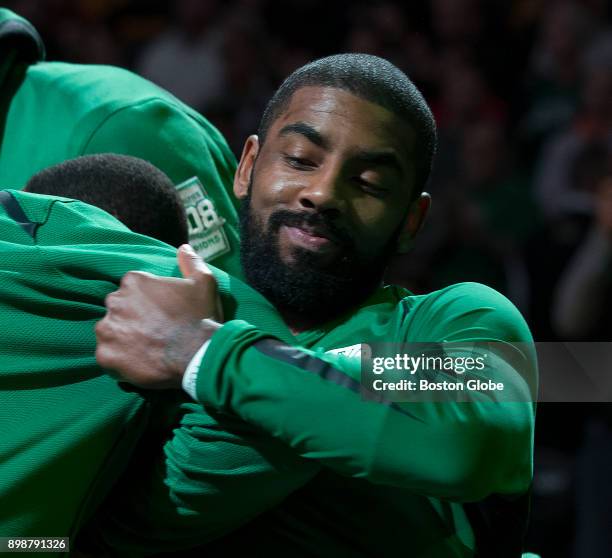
<point x="154" y="325"/>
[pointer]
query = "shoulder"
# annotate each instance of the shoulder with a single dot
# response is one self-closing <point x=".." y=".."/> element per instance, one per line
<point x="110" y="82"/>
<point x="80" y="240"/>
<point x="98" y="89"/>
<point x="66" y="220"/>
<point x="464" y="311"/>
<point x="461" y="297"/>
<point x="105" y="108"/>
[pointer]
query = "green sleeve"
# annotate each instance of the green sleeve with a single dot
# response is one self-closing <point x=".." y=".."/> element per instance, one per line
<point x="183" y="145"/>
<point x="215" y="474"/>
<point x="460" y="451"/>
<point x="201" y="473"/>
<point x="68" y="429"/>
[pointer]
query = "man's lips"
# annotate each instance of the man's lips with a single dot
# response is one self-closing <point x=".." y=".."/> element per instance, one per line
<point x="311" y="238"/>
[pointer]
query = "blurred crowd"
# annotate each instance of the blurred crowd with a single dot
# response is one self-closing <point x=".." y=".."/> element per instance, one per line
<point x="522" y="94"/>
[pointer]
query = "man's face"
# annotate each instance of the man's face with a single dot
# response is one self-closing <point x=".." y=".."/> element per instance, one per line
<point x="325" y="198"/>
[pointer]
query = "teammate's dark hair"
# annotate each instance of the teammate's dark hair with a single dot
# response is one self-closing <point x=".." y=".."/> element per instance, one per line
<point x="134" y="191"/>
<point x="374" y="79"/>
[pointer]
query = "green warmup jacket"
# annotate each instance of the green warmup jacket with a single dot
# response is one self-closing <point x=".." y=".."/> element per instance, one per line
<point x="430" y="479"/>
<point x="275" y="420"/>
<point x="66" y="428"/>
<point x="52" y="111"/>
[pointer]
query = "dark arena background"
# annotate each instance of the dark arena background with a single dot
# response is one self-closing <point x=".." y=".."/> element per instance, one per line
<point x="522" y="183"/>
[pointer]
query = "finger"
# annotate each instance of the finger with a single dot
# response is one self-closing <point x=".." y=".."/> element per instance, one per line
<point x="190" y="263"/>
<point x="100" y="329"/>
<point x="104" y="331"/>
<point x="104" y="356"/>
<point x="112" y="301"/>
<point x="133" y="278"/>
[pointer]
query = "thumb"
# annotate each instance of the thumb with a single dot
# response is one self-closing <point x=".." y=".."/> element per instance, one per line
<point x="190" y="263"/>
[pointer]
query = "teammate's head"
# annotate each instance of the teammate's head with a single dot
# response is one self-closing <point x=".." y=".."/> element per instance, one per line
<point x="138" y="194"/>
<point x="331" y="188"/>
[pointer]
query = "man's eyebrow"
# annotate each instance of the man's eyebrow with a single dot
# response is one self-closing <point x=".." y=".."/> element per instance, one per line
<point x="307" y="131"/>
<point x="381" y="158"/>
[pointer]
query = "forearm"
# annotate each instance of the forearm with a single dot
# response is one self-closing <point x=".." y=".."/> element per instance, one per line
<point x="449" y="450"/>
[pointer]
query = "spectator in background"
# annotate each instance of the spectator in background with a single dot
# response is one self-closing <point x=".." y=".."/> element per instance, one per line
<point x="566" y="179"/>
<point x="421" y="61"/>
<point x="490" y="215"/>
<point x="457" y="22"/>
<point x="464" y="94"/>
<point x="486" y="214"/>
<point x="557" y="192"/>
<point x="474" y="30"/>
<point x="584" y="292"/>
<point x="75" y="30"/>
<point x="554" y="71"/>
<point x="187" y="59"/>
<point x="581" y="312"/>
<point x="464" y="98"/>
<point x="379" y="29"/>
<point x="248" y="84"/>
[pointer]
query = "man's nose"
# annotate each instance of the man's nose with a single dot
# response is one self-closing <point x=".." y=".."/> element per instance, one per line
<point x="324" y="192"/>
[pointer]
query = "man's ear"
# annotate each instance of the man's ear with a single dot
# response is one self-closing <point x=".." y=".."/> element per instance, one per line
<point x="414" y="221"/>
<point x="242" y="178"/>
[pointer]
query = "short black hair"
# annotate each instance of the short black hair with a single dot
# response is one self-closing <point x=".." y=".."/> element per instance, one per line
<point x="134" y="191"/>
<point x="374" y="79"/>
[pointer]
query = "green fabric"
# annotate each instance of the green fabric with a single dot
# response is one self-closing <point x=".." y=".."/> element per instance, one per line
<point x="366" y="435"/>
<point x="67" y="428"/>
<point x="429" y="460"/>
<point x="55" y="111"/>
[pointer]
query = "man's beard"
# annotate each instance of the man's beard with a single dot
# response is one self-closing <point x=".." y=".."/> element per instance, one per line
<point x="306" y="292"/>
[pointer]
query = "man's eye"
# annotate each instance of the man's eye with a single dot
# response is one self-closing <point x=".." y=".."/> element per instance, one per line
<point x="299" y="162"/>
<point x="369" y="188"/>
